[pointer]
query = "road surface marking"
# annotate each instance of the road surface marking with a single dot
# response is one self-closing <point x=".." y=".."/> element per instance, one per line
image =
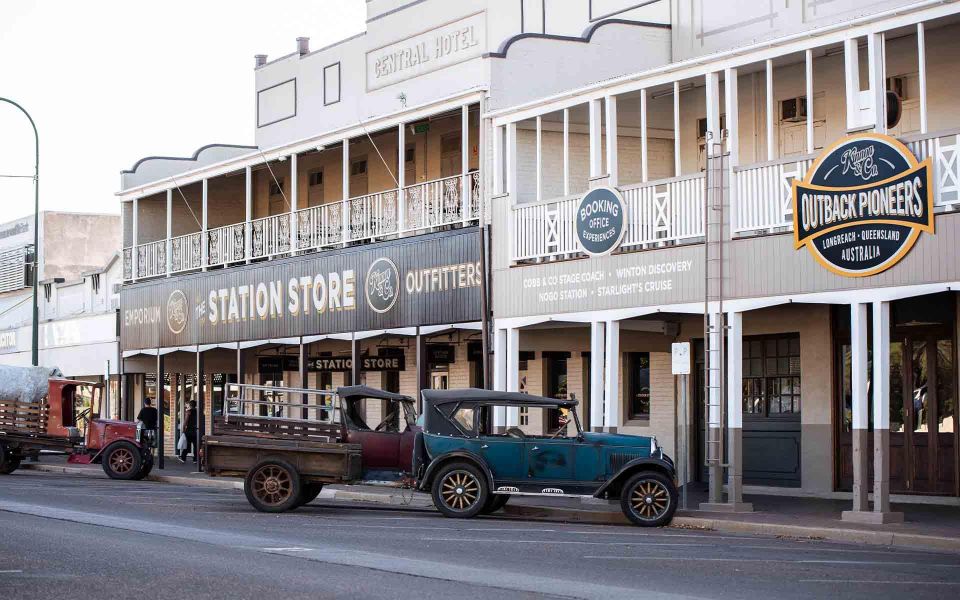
<point x="583" y="542"/>
<point x="777" y="560"/>
<point x="290" y="549"/>
<point x="11" y="571"/>
<point x="831" y="581"/>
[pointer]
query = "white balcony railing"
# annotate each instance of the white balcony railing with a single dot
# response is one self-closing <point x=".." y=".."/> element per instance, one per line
<point x="659" y="213"/>
<point x="270" y="236"/>
<point x="374" y="216"/>
<point x="152" y="259"/>
<point x="186" y="253"/>
<point x="225" y="245"/>
<point x="764" y="193"/>
<point x="944" y="148"/>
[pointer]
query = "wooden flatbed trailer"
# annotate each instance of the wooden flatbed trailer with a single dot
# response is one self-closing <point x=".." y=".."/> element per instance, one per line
<point x="284" y="460"/>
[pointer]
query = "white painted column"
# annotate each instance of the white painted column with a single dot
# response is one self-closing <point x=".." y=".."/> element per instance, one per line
<point x="513" y="373"/>
<point x="851" y="71"/>
<point x="294" y="204"/>
<point x="134" y="258"/>
<point x="860" y="406"/>
<point x="248" y="187"/>
<point x="735" y="413"/>
<point x="512" y="162"/>
<point x="401" y="178"/>
<point x="922" y="75"/>
<point x="500" y="375"/>
<point x="596" y="139"/>
<point x="169" y="245"/>
<point x="732" y="108"/>
<point x="771" y="151"/>
<point x="539" y="167"/>
<point x="465" y="187"/>
<point x="714" y="423"/>
<point x="204" y="225"/>
<point x="597" y="366"/>
<point x="644" y="157"/>
<point x="881" y="415"/>
<point x="566" y="152"/>
<point x="613" y="170"/>
<point x="676" y="129"/>
<point x="498" y="183"/>
<point x="345" y="206"/>
<point x="712" y="94"/>
<point x="808" y="57"/>
<point x="878" y="83"/>
<point x="611" y="392"/>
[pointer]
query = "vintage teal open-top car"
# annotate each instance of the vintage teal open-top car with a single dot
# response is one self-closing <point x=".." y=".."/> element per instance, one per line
<point x="471" y="470"/>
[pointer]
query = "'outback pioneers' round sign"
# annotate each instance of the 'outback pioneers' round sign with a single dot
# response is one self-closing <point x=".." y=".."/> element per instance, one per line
<point x="863" y="204"/>
<point x="600" y="221"/>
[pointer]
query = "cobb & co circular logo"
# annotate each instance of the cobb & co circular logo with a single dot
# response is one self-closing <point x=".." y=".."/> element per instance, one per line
<point x="600" y="221"/>
<point x="382" y="285"/>
<point x="863" y="205"/>
<point x="177" y="312"/>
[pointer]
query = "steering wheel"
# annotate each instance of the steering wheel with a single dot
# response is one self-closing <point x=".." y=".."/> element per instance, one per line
<point x="385" y="426"/>
<point x="516" y="432"/>
<point x="84" y="415"/>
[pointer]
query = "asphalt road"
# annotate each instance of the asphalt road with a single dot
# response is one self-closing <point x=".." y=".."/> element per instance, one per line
<point x="63" y="536"/>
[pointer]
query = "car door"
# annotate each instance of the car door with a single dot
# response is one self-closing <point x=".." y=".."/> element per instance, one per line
<point x="505" y="456"/>
<point x="380" y="449"/>
<point x="550" y="460"/>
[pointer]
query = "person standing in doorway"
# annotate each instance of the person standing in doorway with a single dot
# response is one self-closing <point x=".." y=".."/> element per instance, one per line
<point x="190" y="430"/>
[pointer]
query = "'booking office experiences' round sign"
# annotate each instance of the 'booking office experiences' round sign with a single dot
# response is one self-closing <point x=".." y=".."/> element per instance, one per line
<point x="863" y="205"/>
<point x="601" y="221"/>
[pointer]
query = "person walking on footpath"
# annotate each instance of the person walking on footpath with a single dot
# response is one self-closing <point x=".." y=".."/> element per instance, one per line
<point x="190" y="430"/>
<point x="148" y="415"/>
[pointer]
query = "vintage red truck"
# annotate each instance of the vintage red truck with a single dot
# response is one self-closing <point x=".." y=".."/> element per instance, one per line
<point x="287" y="442"/>
<point x="42" y="411"/>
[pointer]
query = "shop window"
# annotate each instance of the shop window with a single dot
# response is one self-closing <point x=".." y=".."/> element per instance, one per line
<point x="524" y="415"/>
<point x="276" y="187"/>
<point x="638" y="383"/>
<point x="771" y="376"/>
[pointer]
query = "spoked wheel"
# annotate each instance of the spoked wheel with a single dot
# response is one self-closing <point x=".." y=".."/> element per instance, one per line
<point x="273" y="486"/>
<point x="649" y="499"/>
<point x="460" y="491"/>
<point x="122" y="461"/>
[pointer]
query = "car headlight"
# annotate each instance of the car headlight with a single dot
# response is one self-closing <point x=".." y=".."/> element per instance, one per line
<point x="653" y="445"/>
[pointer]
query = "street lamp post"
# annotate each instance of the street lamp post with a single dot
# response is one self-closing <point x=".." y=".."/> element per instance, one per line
<point x="35" y="354"/>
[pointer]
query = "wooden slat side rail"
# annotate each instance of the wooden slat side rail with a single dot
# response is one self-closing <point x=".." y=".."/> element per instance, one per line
<point x="274" y="428"/>
<point x="23" y="417"/>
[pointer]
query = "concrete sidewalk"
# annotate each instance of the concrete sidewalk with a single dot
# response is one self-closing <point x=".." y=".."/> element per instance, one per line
<point x="928" y="527"/>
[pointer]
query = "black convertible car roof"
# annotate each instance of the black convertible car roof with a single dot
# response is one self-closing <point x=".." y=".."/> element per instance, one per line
<point x="439" y="397"/>
<point x="364" y="391"/>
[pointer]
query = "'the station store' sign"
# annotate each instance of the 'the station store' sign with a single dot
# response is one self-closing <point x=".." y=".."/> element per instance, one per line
<point x="863" y="205"/>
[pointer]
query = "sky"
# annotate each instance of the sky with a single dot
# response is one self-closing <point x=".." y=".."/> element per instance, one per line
<point x="109" y="82"/>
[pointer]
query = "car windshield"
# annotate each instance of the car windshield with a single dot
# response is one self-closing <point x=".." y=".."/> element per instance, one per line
<point x="375" y="414"/>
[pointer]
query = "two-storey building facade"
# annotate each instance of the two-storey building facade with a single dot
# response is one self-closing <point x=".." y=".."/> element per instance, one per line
<point x="556" y="193"/>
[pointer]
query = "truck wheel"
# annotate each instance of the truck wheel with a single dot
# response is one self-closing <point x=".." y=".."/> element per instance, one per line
<point x="495" y="503"/>
<point x="146" y="468"/>
<point x="272" y="486"/>
<point x="309" y="492"/>
<point x="460" y="491"/>
<point x="122" y="461"/>
<point x="8" y="462"/>
<point x="649" y="499"/>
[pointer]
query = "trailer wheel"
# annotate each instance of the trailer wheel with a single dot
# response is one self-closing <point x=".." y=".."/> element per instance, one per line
<point x="272" y="486"/>
<point x="8" y="462"/>
<point x="309" y="492"/>
<point x="122" y="461"/>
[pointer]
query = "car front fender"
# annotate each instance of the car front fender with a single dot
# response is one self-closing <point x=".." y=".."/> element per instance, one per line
<point x="651" y="463"/>
<point x="452" y="456"/>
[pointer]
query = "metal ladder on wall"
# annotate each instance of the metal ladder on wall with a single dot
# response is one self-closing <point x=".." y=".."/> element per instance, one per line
<point x="714" y="322"/>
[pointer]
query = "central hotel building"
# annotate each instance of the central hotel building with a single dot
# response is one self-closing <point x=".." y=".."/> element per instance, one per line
<point x="409" y="216"/>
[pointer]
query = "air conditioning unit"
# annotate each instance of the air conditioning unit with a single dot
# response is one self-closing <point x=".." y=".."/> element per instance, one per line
<point x="793" y="110"/>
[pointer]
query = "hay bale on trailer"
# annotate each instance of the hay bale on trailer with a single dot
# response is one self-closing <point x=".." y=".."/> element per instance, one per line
<point x="26" y="384"/>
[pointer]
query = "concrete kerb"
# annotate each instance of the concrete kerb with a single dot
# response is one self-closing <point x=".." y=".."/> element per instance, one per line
<point x="542" y="513"/>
